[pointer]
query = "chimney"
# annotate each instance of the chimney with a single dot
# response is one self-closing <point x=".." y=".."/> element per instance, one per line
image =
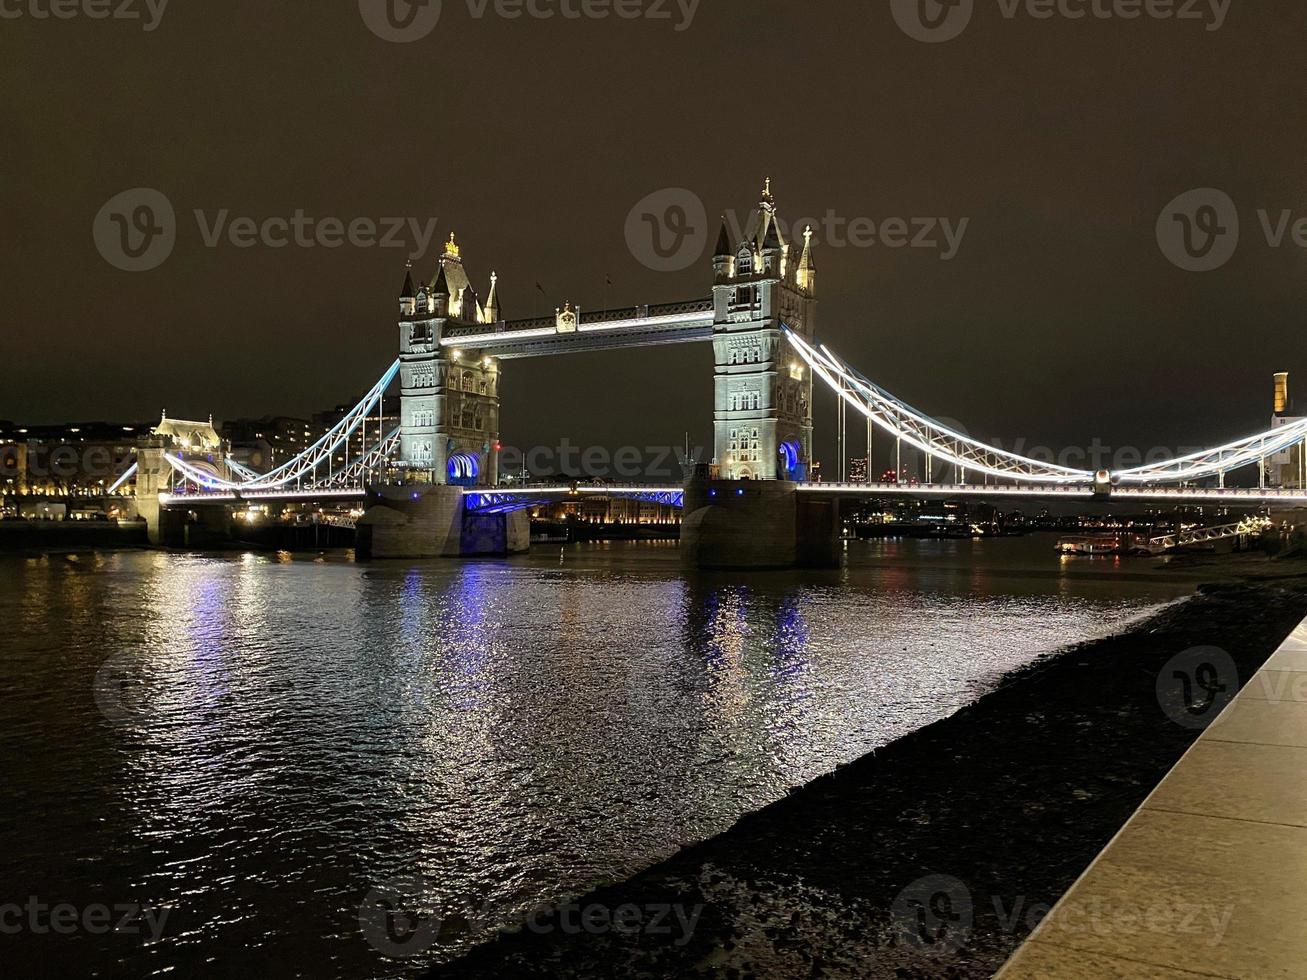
<point x="1282" y="393"/>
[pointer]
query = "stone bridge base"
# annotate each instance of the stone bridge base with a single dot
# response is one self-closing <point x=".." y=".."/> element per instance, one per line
<point x="757" y="524"/>
<point x="430" y="521"/>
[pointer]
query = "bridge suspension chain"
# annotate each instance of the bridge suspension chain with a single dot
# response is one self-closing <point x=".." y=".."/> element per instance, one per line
<point x="943" y="443"/>
<point x="923" y="432"/>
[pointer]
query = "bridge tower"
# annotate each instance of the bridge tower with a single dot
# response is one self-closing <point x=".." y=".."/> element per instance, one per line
<point x="746" y="512"/>
<point x="449" y="429"/>
<point x="449" y="398"/>
<point x="762" y="390"/>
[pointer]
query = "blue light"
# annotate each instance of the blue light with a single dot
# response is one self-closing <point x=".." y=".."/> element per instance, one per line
<point x="712" y="493"/>
<point x="464" y="468"/>
<point x="790" y="453"/>
<point x="739" y="492"/>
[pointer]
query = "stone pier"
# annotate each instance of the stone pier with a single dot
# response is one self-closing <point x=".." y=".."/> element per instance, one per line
<point x="756" y="525"/>
<point x="430" y="521"/>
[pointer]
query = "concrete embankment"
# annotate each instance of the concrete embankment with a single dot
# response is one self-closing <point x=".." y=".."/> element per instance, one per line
<point x="65" y="535"/>
<point x="1006" y="802"/>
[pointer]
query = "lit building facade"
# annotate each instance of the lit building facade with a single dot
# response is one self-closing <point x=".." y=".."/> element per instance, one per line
<point x="762" y="422"/>
<point x="1288" y="468"/>
<point x="449" y="398"/>
<point x="77" y="459"/>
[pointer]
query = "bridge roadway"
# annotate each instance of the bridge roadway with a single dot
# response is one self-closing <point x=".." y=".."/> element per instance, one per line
<point x="497" y="498"/>
<point x="638" y="326"/>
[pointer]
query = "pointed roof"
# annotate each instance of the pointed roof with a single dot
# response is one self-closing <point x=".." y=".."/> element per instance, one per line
<point x="456" y="285"/>
<point x="408" y="292"/>
<point x="724" y="249"/>
<point x="492" y="311"/>
<point x="806" y="263"/>
<point x="764" y="226"/>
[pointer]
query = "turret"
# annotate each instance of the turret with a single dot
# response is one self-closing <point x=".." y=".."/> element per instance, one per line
<point x="723" y="262"/>
<point x="408" y="295"/>
<point x="805" y="276"/>
<point x="492" y="313"/>
<point x="440" y="294"/>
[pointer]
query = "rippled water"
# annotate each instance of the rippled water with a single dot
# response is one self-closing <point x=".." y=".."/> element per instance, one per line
<point x="255" y="743"/>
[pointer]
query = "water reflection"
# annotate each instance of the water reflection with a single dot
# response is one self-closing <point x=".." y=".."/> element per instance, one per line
<point x="512" y="731"/>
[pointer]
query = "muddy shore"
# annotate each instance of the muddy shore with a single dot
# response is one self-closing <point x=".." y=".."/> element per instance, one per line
<point x="1009" y="800"/>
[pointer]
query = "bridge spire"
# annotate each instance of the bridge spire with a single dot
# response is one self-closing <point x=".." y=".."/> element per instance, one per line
<point x="806" y="273"/>
<point x="492" y="301"/>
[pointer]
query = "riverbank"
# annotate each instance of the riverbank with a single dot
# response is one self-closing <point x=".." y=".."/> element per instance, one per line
<point x="1005" y="803"/>
<point x="41" y="536"/>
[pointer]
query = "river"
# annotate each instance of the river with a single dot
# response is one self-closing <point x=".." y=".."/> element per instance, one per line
<point x="260" y="749"/>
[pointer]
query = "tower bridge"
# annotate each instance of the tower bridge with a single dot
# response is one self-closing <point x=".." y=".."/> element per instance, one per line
<point x="432" y="486"/>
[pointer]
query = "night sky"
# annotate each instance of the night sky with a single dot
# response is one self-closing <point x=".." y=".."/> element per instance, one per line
<point x="1058" y="321"/>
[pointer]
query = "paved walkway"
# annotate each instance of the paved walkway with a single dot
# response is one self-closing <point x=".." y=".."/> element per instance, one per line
<point x="1209" y="877"/>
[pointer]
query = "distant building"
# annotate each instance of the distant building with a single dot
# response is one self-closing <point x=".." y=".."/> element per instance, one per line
<point x="858" y="471"/>
<point x="609" y="510"/>
<point x="1288" y="468"/>
<point x="82" y="459"/>
<point x="263" y="444"/>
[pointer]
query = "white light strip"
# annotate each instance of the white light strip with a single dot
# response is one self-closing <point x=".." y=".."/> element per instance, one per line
<point x="490" y="340"/>
<point x="677" y="319"/>
<point x="131" y="471"/>
<point x="169" y="499"/>
<point x="479" y="340"/>
<point x="1041" y="470"/>
<point x="1229" y="495"/>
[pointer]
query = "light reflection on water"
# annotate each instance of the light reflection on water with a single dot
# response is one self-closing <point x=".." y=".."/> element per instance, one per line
<point x="295" y="733"/>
